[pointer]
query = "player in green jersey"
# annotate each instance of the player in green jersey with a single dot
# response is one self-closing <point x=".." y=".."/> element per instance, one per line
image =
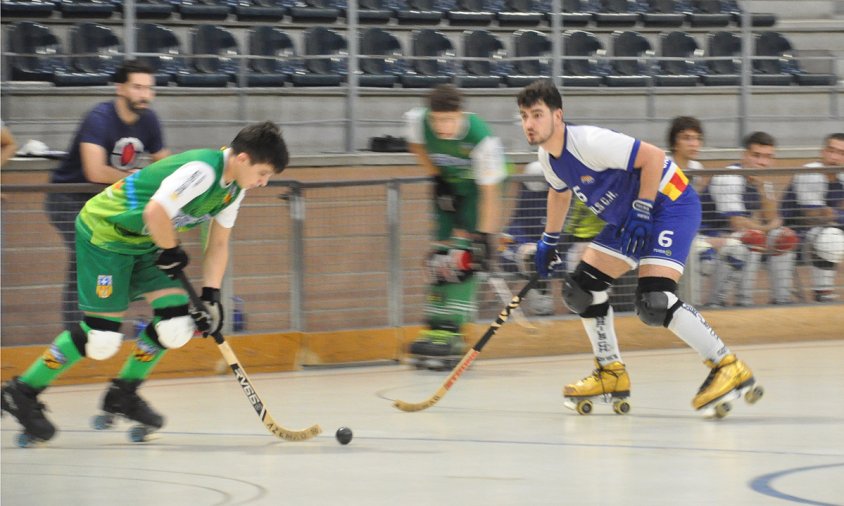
<point x="128" y="248"/>
<point x="467" y="162"/>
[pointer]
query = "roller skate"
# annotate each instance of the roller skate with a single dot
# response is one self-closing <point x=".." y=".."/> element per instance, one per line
<point x="609" y="384"/>
<point x="122" y="400"/>
<point x="728" y="380"/>
<point x="438" y="349"/>
<point x="21" y="401"/>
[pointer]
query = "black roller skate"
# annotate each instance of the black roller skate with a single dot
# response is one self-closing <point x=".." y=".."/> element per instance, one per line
<point x="21" y="401"/>
<point x="438" y="348"/>
<point x="122" y="400"/>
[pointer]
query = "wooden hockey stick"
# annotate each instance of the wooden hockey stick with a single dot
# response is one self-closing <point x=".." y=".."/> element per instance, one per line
<point x="503" y="291"/>
<point x="245" y="384"/>
<point x="471" y="355"/>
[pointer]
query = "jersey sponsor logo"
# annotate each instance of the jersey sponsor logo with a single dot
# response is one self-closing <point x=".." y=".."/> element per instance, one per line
<point x="124" y="154"/>
<point x="53" y="358"/>
<point x="193" y="179"/>
<point x="604" y="202"/>
<point x="104" y="286"/>
<point x="182" y="220"/>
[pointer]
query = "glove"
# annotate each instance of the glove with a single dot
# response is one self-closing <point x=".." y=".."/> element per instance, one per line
<point x="485" y="246"/>
<point x="172" y="261"/>
<point x="444" y="196"/>
<point x="546" y="258"/>
<point x="637" y="227"/>
<point x="210" y="320"/>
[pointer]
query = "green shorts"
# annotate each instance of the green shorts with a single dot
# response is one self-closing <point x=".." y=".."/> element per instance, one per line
<point x="108" y="281"/>
<point x="464" y="218"/>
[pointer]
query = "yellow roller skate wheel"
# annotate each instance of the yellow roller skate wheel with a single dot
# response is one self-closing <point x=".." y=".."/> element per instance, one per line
<point x="621" y="407"/>
<point x="584" y="407"/>
<point x="723" y="409"/>
<point x="754" y="394"/>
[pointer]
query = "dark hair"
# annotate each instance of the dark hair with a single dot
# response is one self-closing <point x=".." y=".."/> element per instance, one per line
<point x="264" y="144"/>
<point x="838" y="136"/>
<point x="544" y="90"/>
<point x="681" y="124"/>
<point x="760" y="138"/>
<point x="121" y="75"/>
<point x="445" y="98"/>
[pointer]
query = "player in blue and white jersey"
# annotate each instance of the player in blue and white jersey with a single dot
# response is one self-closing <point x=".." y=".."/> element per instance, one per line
<point x="652" y="216"/>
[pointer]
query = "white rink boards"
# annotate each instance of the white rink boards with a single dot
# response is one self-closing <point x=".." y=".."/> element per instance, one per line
<point x="500" y="437"/>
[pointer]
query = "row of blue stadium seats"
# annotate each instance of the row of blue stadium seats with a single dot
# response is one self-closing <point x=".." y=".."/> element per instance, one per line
<point x="95" y="50"/>
<point x="658" y="13"/>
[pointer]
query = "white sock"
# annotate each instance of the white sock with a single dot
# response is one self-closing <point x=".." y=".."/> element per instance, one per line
<point x="823" y="279"/>
<point x="781" y="272"/>
<point x="689" y="325"/>
<point x="601" y="332"/>
<point x="747" y="283"/>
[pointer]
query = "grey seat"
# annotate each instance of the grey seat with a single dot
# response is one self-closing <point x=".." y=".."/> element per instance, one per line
<point x="94" y="48"/>
<point x="487" y="72"/>
<point x="521" y="12"/>
<point x="325" y="63"/>
<point x="203" y="9"/>
<point x="529" y="43"/>
<point x="419" y="12"/>
<point x="684" y="72"/>
<point x="630" y="72"/>
<point x="278" y="57"/>
<point x="470" y="13"/>
<point x="260" y="10"/>
<point x="437" y="67"/>
<point x="381" y="60"/>
<point x="616" y="12"/>
<point x="663" y="13"/>
<point x="584" y="64"/>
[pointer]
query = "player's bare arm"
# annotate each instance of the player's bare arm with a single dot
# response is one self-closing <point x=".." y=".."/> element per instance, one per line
<point x="558" y="209"/>
<point x="424" y="160"/>
<point x="216" y="255"/>
<point x="650" y="160"/>
<point x="490" y="210"/>
<point x="159" y="225"/>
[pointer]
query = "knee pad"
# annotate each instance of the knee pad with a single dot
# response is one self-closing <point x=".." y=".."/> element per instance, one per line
<point x="102" y="341"/>
<point x="585" y="287"/>
<point x="174" y="327"/>
<point x="735" y="253"/>
<point x="656" y="301"/>
<point x="827" y="245"/>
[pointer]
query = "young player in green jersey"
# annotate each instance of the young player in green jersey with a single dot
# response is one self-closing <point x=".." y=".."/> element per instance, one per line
<point x="128" y="248"/>
<point x="467" y="162"/>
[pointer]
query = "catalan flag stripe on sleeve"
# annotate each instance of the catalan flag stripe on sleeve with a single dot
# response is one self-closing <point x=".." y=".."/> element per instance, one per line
<point x="676" y="185"/>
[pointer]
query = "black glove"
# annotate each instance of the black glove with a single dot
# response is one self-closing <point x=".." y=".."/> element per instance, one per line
<point x="485" y="246"/>
<point x="209" y="321"/>
<point x="444" y="196"/>
<point x="172" y="261"/>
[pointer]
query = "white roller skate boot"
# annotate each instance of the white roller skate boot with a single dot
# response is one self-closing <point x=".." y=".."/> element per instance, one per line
<point x="609" y="384"/>
<point x="728" y="380"/>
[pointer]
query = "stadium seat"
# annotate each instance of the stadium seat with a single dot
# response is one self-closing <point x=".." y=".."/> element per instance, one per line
<point x="149" y="9"/>
<point x="259" y="10"/>
<point x="88" y="9"/>
<point x="616" y="13"/>
<point x="101" y="48"/>
<point x="775" y="45"/>
<point x="584" y="63"/>
<point x="761" y="19"/>
<point x="40" y="58"/>
<point x="708" y="13"/>
<point x="418" y="12"/>
<point x="281" y="61"/>
<point x="155" y="38"/>
<point x="216" y="41"/>
<point x="369" y="11"/>
<point x="485" y="73"/>
<point x="723" y="72"/>
<point x="575" y="13"/>
<point x="314" y="11"/>
<point x="203" y="9"/>
<point x="470" y="13"/>
<point x="663" y="13"/>
<point x="684" y="72"/>
<point x="437" y="68"/>
<point x="381" y="60"/>
<point x="521" y="12"/>
<point x="630" y="72"/>
<point x="330" y="70"/>
<point x="26" y="8"/>
<point x="529" y="43"/>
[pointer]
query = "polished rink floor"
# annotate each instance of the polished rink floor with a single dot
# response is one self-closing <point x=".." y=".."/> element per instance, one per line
<point x="500" y="436"/>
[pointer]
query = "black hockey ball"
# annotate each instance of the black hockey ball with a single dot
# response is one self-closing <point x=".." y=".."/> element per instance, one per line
<point x="344" y="435"/>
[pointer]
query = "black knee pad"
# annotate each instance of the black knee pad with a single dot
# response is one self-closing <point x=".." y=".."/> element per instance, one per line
<point x="578" y="287"/>
<point x="652" y="302"/>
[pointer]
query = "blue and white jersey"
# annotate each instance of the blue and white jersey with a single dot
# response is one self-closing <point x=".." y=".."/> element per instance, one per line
<point x="811" y="190"/>
<point x="725" y="196"/>
<point x="597" y="165"/>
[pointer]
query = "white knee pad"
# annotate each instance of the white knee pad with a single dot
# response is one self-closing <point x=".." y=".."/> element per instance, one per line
<point x="102" y="344"/>
<point x="175" y="332"/>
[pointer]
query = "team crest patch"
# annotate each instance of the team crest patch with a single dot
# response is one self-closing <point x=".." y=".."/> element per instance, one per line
<point x="53" y="358"/>
<point x="144" y="352"/>
<point x="104" y="287"/>
<point x="587" y="179"/>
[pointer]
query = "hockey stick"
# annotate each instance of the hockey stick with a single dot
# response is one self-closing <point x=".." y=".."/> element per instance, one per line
<point x="504" y="293"/>
<point x="245" y="383"/>
<point x="472" y="354"/>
